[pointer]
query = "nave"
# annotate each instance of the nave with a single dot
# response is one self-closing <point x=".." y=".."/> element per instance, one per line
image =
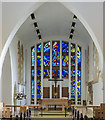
<point x="53" y="67"/>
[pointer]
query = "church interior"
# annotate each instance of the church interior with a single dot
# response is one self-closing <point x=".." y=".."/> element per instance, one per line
<point x="52" y="60"/>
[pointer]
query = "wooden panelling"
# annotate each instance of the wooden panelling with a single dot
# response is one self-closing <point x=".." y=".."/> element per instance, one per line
<point x="65" y="91"/>
<point x="46" y="92"/>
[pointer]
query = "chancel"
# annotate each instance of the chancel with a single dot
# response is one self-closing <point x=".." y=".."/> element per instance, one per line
<point x="55" y="81"/>
<point x="51" y="63"/>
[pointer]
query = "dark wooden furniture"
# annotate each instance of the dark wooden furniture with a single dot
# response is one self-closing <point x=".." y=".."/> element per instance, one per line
<point x="46" y="92"/>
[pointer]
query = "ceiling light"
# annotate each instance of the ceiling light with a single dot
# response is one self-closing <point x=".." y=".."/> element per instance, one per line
<point x="72" y="31"/>
<point x="73" y="24"/>
<point x="35" y="24"/>
<point x="32" y="16"/>
<point x="40" y="38"/>
<point x="38" y="32"/>
<point x="74" y="17"/>
<point x="71" y="36"/>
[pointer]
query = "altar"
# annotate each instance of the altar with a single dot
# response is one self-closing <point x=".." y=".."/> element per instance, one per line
<point x="52" y="102"/>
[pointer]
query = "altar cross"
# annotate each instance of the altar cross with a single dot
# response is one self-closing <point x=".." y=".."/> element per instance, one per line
<point x="55" y="79"/>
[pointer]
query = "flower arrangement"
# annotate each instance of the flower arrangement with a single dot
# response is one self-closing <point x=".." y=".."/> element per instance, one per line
<point x="20" y="96"/>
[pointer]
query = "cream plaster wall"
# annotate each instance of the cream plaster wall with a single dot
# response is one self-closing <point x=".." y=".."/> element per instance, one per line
<point x="97" y="87"/>
<point x="14" y="65"/>
<point x="0" y="28"/>
<point x="7" y="81"/>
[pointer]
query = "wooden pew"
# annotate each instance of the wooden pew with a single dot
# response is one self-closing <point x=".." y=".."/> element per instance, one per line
<point x="96" y="112"/>
<point x="1" y="106"/>
<point x="6" y="112"/>
<point x="22" y="109"/>
<point x="102" y="111"/>
<point x="99" y="111"/>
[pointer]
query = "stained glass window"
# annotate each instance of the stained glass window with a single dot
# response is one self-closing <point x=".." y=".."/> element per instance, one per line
<point x="55" y="59"/>
<point x="38" y="60"/>
<point x="65" y="73"/>
<point x="55" y="73"/>
<point x="65" y="59"/>
<point x="38" y="90"/>
<point x="65" y="47"/>
<point x="47" y="47"/>
<point x="46" y="73"/>
<point x="32" y="91"/>
<point x="78" y="75"/>
<point x="38" y="72"/>
<point x="73" y="73"/>
<point x="75" y="67"/>
<point x="39" y="48"/>
<point x="46" y="60"/>
<point x="55" y="54"/>
<point x="32" y="73"/>
<point x="33" y="56"/>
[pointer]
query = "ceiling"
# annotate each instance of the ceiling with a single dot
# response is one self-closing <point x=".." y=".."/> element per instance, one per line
<point x="54" y="22"/>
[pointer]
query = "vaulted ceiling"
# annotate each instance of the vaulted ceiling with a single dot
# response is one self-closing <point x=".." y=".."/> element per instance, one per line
<point x="54" y="22"/>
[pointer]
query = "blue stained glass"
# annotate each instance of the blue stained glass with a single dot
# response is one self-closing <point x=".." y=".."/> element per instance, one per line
<point x="65" y="73"/>
<point x="46" y="73"/>
<point x="39" y="48"/>
<point x="32" y="91"/>
<point x="33" y="57"/>
<point x="38" y="81"/>
<point x="46" y="60"/>
<point x="65" y="47"/>
<point x="55" y="54"/>
<point x="73" y="57"/>
<point x="72" y="64"/>
<point x="38" y="86"/>
<point x="79" y="75"/>
<point x="72" y="47"/>
<point x="65" y="61"/>
<point x="32" y="87"/>
<point x="38" y="91"/>
<point x="32" y="73"/>
<point x="54" y="73"/>
<point x="38" y="61"/>
<point x="47" y="47"/>
<point x="39" y="73"/>
<point x="73" y="73"/>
